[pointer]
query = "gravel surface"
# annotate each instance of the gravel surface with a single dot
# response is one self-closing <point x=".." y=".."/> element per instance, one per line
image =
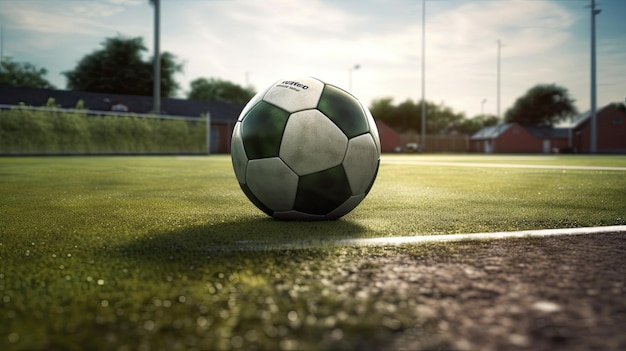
<point x="554" y="293"/>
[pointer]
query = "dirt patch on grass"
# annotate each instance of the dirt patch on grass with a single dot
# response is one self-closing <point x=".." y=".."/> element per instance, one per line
<point x="555" y="293"/>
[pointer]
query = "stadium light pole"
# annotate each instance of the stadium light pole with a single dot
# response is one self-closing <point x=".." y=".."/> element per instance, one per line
<point x="1" y="46"/>
<point x="500" y="120"/>
<point x="350" y="78"/>
<point x="593" y="140"/>
<point x="500" y="45"/>
<point x="156" y="92"/>
<point x="423" y="141"/>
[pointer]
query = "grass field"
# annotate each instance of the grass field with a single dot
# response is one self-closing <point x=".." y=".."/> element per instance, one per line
<point x="167" y="253"/>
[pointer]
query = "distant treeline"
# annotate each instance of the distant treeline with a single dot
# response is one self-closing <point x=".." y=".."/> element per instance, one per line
<point x="25" y="131"/>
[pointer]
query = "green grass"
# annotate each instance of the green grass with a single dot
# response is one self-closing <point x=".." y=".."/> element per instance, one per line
<point x="167" y="253"/>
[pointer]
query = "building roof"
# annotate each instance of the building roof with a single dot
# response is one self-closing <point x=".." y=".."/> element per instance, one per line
<point x="221" y="112"/>
<point x="494" y="132"/>
<point x="491" y="132"/>
<point x="584" y="117"/>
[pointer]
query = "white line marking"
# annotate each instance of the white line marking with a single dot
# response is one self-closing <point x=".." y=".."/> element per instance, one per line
<point x="398" y="240"/>
<point x="501" y="165"/>
<point x="271" y="245"/>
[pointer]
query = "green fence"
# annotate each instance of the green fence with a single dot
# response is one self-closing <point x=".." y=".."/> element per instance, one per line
<point x="30" y="130"/>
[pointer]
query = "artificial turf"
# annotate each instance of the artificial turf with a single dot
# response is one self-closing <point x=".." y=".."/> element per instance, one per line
<point x="167" y="252"/>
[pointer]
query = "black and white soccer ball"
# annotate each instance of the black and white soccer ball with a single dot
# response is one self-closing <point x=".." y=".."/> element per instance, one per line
<point x="303" y="149"/>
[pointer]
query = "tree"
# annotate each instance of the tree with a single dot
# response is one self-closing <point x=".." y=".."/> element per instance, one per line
<point x="542" y="105"/>
<point x="23" y="74"/>
<point x="120" y="68"/>
<point x="472" y="125"/>
<point x="407" y="115"/>
<point x="213" y="89"/>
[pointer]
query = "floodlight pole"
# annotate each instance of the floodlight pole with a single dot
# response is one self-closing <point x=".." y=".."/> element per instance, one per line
<point x="500" y="120"/>
<point x="350" y="81"/>
<point x="500" y="45"/>
<point x="1" y="46"/>
<point x="593" y="142"/>
<point x="423" y="141"/>
<point x="156" y="94"/>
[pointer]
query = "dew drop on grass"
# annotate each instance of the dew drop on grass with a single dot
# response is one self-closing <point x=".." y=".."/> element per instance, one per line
<point x="251" y="335"/>
<point x="292" y="316"/>
<point x="236" y="341"/>
<point x="271" y="331"/>
<point x="148" y="325"/>
<point x="288" y="344"/>
<point x="14" y="337"/>
<point x="337" y="334"/>
<point x="202" y="322"/>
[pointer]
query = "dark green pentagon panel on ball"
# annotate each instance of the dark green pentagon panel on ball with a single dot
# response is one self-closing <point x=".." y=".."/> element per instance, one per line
<point x="254" y="200"/>
<point x="320" y="193"/>
<point x="343" y="109"/>
<point x="262" y="130"/>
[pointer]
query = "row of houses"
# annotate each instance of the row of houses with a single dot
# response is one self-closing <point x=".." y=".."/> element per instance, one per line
<point x="576" y="138"/>
<point x="505" y="138"/>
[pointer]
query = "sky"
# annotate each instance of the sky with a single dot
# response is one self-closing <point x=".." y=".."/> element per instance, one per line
<point x="257" y="42"/>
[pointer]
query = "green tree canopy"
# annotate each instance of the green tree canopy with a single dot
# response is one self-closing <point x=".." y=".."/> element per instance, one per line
<point x="408" y="115"/>
<point x="23" y="74"/>
<point x="542" y="105"/>
<point x="120" y="68"/>
<point x="213" y="89"/>
<point x="472" y="125"/>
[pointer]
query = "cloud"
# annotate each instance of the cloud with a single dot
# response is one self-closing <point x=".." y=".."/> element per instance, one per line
<point x="462" y="50"/>
<point x="256" y="42"/>
<point x="127" y="2"/>
<point x="74" y="18"/>
<point x="94" y="9"/>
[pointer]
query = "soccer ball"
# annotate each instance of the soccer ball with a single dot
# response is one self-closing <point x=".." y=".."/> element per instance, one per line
<point x="303" y="149"/>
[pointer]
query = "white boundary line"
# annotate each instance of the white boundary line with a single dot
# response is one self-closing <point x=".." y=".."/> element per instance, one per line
<point x="501" y="165"/>
<point x="399" y="240"/>
<point x="270" y="245"/>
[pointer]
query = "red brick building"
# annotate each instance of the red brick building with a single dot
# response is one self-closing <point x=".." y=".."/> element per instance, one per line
<point x="514" y="138"/>
<point x="390" y="140"/>
<point x="610" y="127"/>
